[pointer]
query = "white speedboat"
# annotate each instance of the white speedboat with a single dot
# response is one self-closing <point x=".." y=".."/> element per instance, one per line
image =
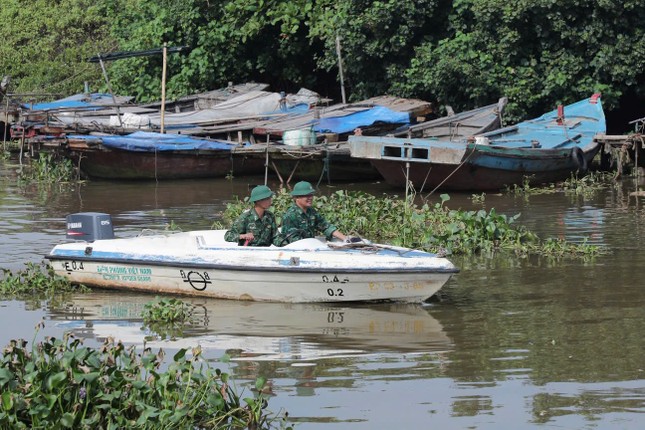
<point x="202" y="263"/>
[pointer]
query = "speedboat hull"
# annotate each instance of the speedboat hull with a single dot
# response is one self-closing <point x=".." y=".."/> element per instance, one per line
<point x="201" y="263"/>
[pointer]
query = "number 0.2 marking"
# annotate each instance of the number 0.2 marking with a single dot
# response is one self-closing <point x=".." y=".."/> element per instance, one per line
<point x="338" y="292"/>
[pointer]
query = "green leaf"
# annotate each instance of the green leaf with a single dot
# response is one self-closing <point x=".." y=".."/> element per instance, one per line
<point x="180" y="354"/>
<point x="260" y="382"/>
<point x="55" y="380"/>
<point x="7" y="401"/>
<point x="67" y="420"/>
<point x="5" y="376"/>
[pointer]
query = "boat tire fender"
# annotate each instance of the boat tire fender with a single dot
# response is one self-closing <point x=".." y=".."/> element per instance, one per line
<point x="579" y="159"/>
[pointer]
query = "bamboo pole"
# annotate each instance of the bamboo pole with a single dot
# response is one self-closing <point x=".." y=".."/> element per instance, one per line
<point x="107" y="81"/>
<point x="340" y="70"/>
<point x="163" y="86"/>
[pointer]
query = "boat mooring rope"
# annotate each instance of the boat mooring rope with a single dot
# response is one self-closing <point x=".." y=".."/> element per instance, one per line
<point x="451" y="173"/>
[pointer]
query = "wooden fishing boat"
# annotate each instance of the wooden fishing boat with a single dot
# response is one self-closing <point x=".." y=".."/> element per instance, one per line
<point x="202" y="263"/>
<point x="147" y="155"/>
<point x="546" y="149"/>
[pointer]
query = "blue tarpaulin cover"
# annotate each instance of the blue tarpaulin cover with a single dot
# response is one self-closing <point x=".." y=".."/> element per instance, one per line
<point x="348" y="123"/>
<point x="94" y="100"/>
<point x="143" y="141"/>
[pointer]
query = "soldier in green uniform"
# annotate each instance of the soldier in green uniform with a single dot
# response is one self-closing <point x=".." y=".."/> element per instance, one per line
<point x="301" y="221"/>
<point x="256" y="226"/>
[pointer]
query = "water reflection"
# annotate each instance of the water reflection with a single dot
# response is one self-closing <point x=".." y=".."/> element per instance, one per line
<point x="260" y="331"/>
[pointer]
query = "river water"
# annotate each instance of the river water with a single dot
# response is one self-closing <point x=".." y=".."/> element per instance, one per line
<point x="510" y="342"/>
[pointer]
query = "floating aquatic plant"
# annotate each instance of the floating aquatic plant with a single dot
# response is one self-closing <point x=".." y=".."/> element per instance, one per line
<point x="35" y="279"/>
<point x="166" y="318"/>
<point x="60" y="383"/>
<point x="431" y="227"/>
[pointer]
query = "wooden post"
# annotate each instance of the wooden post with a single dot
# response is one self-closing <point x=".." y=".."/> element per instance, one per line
<point x="407" y="183"/>
<point x="163" y="86"/>
<point x="6" y="124"/>
<point x="22" y="144"/>
<point x="266" y="163"/>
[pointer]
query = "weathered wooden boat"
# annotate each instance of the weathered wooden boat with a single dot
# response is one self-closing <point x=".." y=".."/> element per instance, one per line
<point x="147" y="155"/>
<point x="546" y="149"/>
<point x="312" y="146"/>
<point x="259" y="330"/>
<point x="202" y="263"/>
<point x="455" y="127"/>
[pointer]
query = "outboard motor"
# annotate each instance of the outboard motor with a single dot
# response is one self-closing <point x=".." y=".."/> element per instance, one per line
<point x="89" y="226"/>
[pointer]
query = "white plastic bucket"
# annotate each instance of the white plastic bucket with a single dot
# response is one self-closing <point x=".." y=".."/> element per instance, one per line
<point x="299" y="137"/>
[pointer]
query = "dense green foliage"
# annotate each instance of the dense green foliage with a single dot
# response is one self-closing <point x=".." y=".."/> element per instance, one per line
<point x="45" y="44"/>
<point x="434" y="228"/>
<point x="464" y="53"/>
<point x="60" y="383"/>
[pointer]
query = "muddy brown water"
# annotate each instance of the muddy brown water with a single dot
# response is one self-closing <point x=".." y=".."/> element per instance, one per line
<point x="511" y="342"/>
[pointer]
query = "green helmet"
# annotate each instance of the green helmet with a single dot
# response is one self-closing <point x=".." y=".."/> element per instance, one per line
<point x="260" y="192"/>
<point x="302" y="188"/>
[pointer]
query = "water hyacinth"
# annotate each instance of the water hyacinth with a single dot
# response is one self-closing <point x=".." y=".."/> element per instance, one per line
<point x="49" y="169"/>
<point x="35" y="279"/>
<point x="433" y="228"/>
<point x="63" y="384"/>
<point x="166" y="318"/>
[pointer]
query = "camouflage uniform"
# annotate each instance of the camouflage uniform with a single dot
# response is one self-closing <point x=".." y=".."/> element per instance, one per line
<point x="298" y="224"/>
<point x="265" y="230"/>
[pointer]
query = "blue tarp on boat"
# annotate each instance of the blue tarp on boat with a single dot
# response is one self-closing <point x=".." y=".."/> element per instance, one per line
<point x="94" y="100"/>
<point x="143" y="141"/>
<point x="348" y="123"/>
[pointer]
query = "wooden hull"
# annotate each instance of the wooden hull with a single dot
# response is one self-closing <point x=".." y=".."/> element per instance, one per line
<point x="486" y="170"/>
<point x="312" y="163"/>
<point x="117" y="164"/>
<point x="313" y="170"/>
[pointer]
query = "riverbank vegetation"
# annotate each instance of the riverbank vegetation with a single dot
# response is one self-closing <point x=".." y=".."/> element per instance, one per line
<point x="60" y="383"/>
<point x="48" y="169"/>
<point x="431" y="227"/>
<point x="465" y="53"/>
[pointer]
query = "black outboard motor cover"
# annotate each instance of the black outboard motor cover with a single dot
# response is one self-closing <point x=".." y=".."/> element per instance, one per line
<point x="89" y="226"/>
